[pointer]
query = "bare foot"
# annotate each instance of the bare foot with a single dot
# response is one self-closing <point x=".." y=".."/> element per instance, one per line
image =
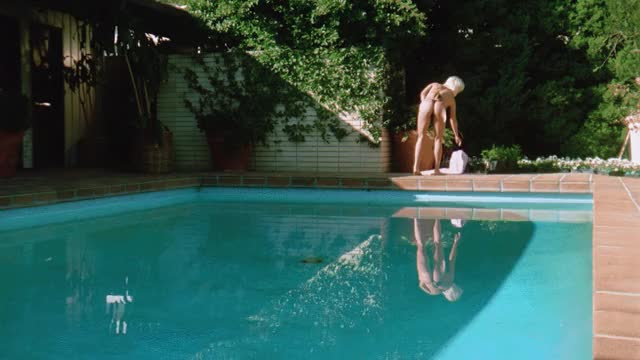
<point x="436" y="172"/>
<point x="417" y="172"/>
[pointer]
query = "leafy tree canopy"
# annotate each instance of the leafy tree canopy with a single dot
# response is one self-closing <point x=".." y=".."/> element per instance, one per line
<point x="553" y="76"/>
<point x="338" y="52"/>
<point x="308" y="24"/>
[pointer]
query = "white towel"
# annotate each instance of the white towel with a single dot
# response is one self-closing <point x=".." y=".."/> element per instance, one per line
<point x="457" y="164"/>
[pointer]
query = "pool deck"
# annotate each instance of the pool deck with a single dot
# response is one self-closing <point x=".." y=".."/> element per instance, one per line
<point x="616" y="220"/>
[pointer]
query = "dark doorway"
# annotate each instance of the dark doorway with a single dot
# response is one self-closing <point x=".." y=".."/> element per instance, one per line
<point x="48" y="96"/>
<point x="10" y="63"/>
<point x="10" y="55"/>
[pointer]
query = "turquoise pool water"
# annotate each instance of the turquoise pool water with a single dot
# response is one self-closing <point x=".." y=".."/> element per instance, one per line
<point x="237" y="274"/>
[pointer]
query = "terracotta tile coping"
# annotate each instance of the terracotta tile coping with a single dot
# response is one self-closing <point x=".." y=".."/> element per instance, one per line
<point x="616" y="219"/>
<point x="41" y="190"/>
<point x="616" y="268"/>
<point x="497" y="214"/>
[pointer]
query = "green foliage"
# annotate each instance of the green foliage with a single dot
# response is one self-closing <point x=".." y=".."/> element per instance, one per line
<point x="550" y="75"/>
<point x="295" y="87"/>
<point x="338" y="53"/>
<point x="623" y="38"/>
<point x="533" y="69"/>
<point x="15" y="111"/>
<point x="267" y="100"/>
<point x="349" y="80"/>
<point x="506" y="157"/>
<point x="607" y="31"/>
<point x="239" y="101"/>
<point x="476" y="165"/>
<point x="602" y="134"/>
<point x="309" y="24"/>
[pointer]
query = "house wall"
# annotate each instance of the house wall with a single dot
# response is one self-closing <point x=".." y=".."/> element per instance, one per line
<point x="312" y="155"/>
<point x="191" y="149"/>
<point x="79" y="106"/>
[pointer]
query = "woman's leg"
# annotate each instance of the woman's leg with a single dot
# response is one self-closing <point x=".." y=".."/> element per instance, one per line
<point x="424" y="119"/>
<point x="420" y="228"/>
<point x="440" y="114"/>
<point x="439" y="266"/>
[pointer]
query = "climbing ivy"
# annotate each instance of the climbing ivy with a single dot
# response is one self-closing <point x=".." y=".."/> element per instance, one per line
<point x="234" y="94"/>
<point x="270" y="97"/>
<point x="339" y="56"/>
<point x="342" y="81"/>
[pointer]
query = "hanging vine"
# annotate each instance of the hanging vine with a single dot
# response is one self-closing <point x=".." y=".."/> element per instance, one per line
<point x="241" y="95"/>
<point x="341" y="57"/>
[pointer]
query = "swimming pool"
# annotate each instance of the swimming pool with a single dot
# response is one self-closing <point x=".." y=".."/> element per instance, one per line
<point x="255" y="273"/>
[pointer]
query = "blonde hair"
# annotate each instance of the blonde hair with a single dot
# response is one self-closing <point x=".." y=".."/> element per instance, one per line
<point x="455" y="84"/>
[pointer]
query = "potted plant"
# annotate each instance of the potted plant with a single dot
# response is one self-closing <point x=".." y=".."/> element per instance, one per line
<point x="402" y="127"/>
<point x="235" y="109"/>
<point x="13" y="123"/>
<point x="403" y="143"/>
<point x="152" y="149"/>
<point x="229" y="136"/>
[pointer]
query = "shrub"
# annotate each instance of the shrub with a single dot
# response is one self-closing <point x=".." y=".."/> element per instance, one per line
<point x="505" y="158"/>
<point x="476" y="165"/>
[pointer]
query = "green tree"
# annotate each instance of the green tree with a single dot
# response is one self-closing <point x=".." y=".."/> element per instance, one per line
<point x="308" y="24"/>
<point x="608" y="31"/>
<point x="341" y="53"/>
<point x="553" y="76"/>
<point x="525" y="84"/>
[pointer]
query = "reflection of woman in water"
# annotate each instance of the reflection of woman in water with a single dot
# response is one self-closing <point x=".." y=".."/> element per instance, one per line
<point x="439" y="278"/>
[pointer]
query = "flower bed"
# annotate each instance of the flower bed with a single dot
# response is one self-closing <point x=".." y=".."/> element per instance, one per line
<point x="613" y="166"/>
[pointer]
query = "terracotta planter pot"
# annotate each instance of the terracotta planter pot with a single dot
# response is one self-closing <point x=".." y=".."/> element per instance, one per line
<point x="9" y="152"/>
<point x="402" y="153"/>
<point x="225" y="157"/>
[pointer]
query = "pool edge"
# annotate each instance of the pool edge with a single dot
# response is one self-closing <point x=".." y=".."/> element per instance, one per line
<point x="616" y="223"/>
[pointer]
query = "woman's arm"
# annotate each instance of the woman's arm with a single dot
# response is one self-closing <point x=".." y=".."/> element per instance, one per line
<point x="454" y="124"/>
<point x="425" y="92"/>
<point x="453" y="254"/>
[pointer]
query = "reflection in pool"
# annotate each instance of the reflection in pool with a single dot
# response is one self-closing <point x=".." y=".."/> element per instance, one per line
<point x="227" y="280"/>
<point x="436" y="274"/>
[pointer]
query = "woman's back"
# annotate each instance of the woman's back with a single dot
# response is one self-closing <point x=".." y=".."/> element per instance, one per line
<point x="439" y="92"/>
